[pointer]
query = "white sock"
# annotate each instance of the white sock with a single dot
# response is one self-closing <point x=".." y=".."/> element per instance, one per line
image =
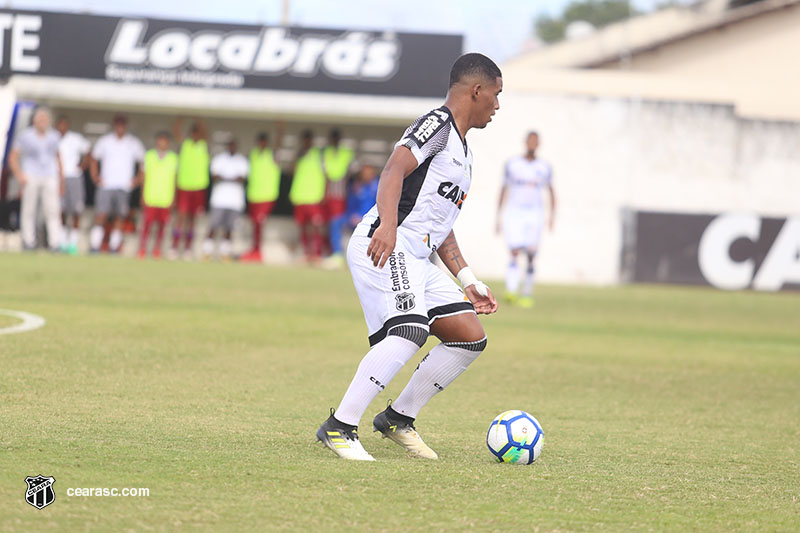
<point x="225" y="248"/>
<point x="208" y="247"/>
<point x="435" y="372"/>
<point x="96" y="237"/>
<point x="376" y="370"/>
<point x="527" y="288"/>
<point x="512" y="278"/>
<point x="74" y="235"/>
<point x="115" y="241"/>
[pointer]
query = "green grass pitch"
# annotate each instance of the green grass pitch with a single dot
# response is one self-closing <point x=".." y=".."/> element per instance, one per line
<point x="663" y="408"/>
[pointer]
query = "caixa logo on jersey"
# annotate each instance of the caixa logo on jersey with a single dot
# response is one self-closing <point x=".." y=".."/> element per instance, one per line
<point x="449" y="191"/>
<point x="357" y="55"/>
<point x="738" y="251"/>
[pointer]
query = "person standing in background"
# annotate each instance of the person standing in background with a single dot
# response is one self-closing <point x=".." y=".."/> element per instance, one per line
<point x="526" y="177"/>
<point x="229" y="172"/>
<point x="113" y="169"/>
<point x="193" y="181"/>
<point x="263" y="187"/>
<point x="336" y="160"/>
<point x="35" y="162"/>
<point x="362" y="195"/>
<point x="158" y="191"/>
<point x="306" y="194"/>
<point x="73" y="148"/>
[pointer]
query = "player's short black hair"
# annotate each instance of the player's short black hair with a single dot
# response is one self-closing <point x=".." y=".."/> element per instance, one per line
<point x="335" y="133"/>
<point x="532" y="132"/>
<point x="306" y="134"/>
<point x="59" y="118"/>
<point x="262" y="136"/>
<point x="163" y="133"/>
<point x="474" y="64"/>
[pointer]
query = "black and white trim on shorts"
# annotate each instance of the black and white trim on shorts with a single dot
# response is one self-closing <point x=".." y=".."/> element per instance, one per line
<point x="450" y="310"/>
<point x="379" y="335"/>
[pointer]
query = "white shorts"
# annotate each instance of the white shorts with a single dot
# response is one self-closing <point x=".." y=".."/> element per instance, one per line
<point x="407" y="290"/>
<point x="522" y="228"/>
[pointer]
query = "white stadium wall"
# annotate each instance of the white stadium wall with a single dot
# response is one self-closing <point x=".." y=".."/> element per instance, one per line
<point x="615" y="155"/>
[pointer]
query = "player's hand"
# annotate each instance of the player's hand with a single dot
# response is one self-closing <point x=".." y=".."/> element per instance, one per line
<point x="22" y="179"/>
<point x="382" y="245"/>
<point x="484" y="305"/>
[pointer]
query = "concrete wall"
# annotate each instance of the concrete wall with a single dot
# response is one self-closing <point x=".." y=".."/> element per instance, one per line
<point x="610" y="154"/>
<point x="746" y="57"/>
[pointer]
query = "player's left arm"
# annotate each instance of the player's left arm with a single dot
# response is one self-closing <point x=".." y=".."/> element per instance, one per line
<point x="552" y="218"/>
<point x="86" y="151"/>
<point x="477" y="292"/>
<point x="61" y="184"/>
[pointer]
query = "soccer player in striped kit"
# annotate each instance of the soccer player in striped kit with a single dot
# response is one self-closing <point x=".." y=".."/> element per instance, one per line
<point x="404" y="295"/>
<point x="520" y="215"/>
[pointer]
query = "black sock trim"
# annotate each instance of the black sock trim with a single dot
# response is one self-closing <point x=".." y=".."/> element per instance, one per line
<point x="474" y="346"/>
<point x="394" y="415"/>
<point x="335" y="422"/>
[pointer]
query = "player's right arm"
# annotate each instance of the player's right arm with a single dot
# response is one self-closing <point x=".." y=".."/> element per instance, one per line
<point x="401" y="163"/>
<point x="16" y="169"/>
<point x="425" y="138"/>
<point x="498" y="222"/>
<point x="94" y="169"/>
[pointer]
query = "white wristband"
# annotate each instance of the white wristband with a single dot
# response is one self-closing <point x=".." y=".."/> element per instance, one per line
<point x="466" y="277"/>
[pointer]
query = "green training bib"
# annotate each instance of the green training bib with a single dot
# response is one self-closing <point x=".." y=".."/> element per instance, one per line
<point x="159" y="178"/>
<point x="193" y="167"/>
<point x="264" y="182"/>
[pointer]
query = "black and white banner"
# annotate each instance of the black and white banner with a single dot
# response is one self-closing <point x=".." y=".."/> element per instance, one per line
<point x="137" y="50"/>
<point x="728" y="251"/>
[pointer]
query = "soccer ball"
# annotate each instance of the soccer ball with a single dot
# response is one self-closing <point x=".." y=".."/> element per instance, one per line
<point x="515" y="437"/>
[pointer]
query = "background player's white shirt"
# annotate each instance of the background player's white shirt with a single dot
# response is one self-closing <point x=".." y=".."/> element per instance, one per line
<point x="227" y="193"/>
<point x="434" y="192"/>
<point x="525" y="181"/>
<point x="72" y="147"/>
<point x="118" y="157"/>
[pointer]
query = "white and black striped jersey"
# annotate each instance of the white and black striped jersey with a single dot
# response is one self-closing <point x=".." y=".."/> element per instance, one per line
<point x="525" y="181"/>
<point x="434" y="192"/>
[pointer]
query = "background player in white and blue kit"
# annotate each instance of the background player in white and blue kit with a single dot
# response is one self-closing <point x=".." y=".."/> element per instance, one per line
<point x="521" y="214"/>
<point x="404" y="296"/>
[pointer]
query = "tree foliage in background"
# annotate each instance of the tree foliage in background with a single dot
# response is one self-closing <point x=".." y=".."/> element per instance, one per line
<point x="597" y="12"/>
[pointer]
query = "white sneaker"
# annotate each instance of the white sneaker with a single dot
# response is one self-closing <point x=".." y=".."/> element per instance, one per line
<point x="404" y="434"/>
<point x="342" y="441"/>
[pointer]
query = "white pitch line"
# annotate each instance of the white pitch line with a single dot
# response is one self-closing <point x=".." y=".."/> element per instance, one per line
<point x="29" y="321"/>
